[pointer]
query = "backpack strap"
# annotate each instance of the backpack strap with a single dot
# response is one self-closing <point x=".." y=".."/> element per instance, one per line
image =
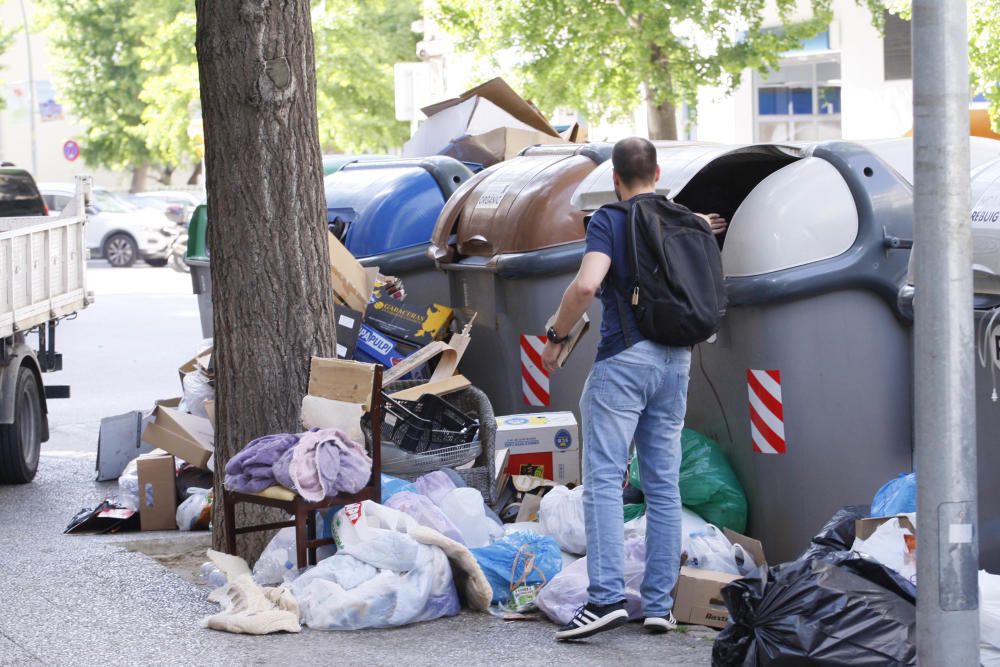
<point x="620" y="303"/>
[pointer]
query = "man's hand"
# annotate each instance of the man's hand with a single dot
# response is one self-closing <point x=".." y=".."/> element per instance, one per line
<point x="716" y="222"/>
<point x="550" y="355"/>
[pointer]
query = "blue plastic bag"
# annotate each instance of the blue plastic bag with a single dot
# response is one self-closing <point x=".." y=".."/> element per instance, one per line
<point x="517" y="566"/>
<point x="897" y="496"/>
<point x="393" y="485"/>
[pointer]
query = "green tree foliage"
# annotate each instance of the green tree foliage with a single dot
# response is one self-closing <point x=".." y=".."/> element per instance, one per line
<point x="604" y="58"/>
<point x="357" y="43"/>
<point x="101" y="76"/>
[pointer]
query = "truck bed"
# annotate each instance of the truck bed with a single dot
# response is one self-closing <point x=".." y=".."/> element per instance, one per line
<point x="42" y="269"/>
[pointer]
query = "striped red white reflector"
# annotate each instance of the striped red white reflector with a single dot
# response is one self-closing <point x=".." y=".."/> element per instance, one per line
<point x="767" y="415"/>
<point x="534" y="377"/>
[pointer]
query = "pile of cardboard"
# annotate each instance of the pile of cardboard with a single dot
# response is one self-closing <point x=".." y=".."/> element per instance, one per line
<point x="486" y="125"/>
<point x="375" y="324"/>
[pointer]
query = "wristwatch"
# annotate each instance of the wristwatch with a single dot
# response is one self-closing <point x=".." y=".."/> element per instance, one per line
<point x="554" y="337"/>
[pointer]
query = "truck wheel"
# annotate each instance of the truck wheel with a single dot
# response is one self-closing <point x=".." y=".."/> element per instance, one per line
<point x="21" y="442"/>
<point x="120" y="250"/>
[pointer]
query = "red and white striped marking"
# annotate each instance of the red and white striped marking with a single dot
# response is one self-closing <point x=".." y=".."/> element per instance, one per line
<point x="767" y="416"/>
<point x="534" y="377"/>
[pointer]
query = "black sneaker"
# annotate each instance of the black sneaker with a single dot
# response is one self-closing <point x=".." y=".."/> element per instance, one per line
<point x="657" y="625"/>
<point x="592" y="619"/>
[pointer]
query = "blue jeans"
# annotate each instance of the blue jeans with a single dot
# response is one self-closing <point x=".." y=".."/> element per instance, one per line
<point x="640" y="393"/>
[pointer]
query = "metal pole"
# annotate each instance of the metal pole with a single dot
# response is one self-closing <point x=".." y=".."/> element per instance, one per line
<point x="947" y="539"/>
<point x="33" y="106"/>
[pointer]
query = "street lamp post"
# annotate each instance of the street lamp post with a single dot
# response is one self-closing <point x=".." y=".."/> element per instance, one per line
<point x="32" y="105"/>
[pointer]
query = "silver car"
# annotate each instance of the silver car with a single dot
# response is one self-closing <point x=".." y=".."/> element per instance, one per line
<point x="118" y="230"/>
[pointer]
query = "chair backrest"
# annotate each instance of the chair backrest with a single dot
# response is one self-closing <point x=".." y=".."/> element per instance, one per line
<point x="348" y="381"/>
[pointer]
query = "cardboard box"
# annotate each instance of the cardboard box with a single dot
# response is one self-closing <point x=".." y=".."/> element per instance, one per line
<point x="375" y="347"/>
<point x="348" y="324"/>
<point x="157" y="492"/>
<point x="863" y="528"/>
<point x="185" y="436"/>
<point x="698" y="596"/>
<point x="412" y="322"/>
<point x="546" y="445"/>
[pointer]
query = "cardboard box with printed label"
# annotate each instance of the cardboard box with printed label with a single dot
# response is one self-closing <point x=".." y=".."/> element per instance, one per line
<point x="546" y="445"/>
<point x="698" y="596"/>
<point x="408" y="321"/>
<point x="375" y="347"/>
<point x="185" y="436"/>
<point x="157" y="491"/>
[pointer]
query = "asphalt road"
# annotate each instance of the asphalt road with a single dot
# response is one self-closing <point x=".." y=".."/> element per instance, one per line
<point x="89" y="600"/>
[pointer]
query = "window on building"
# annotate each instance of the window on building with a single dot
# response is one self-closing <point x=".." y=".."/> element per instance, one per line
<point x="896" y="48"/>
<point x="800" y="101"/>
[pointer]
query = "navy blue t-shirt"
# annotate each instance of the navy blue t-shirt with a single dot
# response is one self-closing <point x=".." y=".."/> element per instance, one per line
<point x="606" y="234"/>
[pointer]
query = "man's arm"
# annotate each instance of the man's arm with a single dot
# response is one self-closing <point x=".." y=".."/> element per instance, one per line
<point x="576" y="300"/>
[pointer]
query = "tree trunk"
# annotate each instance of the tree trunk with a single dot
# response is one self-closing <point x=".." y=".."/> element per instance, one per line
<point x="270" y="263"/>
<point x="139" y="176"/>
<point x="195" y="174"/>
<point x="662" y="119"/>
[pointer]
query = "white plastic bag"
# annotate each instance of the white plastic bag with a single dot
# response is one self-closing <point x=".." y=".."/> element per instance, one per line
<point x="197" y="389"/>
<point x="709" y="549"/>
<point x="567" y="591"/>
<point x="277" y="560"/>
<point x="435" y="485"/>
<point x="128" y="486"/>
<point x="561" y="517"/>
<point x="887" y="545"/>
<point x="194" y="513"/>
<point x="989" y="619"/>
<point x="380" y="577"/>
<point x="426" y="513"/>
<point x="465" y="509"/>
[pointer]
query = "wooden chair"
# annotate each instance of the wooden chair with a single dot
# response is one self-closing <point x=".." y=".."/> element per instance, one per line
<point x="347" y="381"/>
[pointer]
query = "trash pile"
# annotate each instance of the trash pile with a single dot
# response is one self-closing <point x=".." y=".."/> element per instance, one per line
<point x="162" y="459"/>
<point x="850" y="598"/>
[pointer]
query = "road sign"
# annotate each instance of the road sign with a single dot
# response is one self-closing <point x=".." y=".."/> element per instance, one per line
<point x="71" y="150"/>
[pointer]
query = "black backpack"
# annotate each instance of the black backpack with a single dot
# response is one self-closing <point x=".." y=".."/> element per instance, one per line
<point x="677" y="292"/>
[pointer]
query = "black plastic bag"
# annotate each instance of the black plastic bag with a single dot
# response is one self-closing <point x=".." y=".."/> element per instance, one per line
<point x="843" y="609"/>
<point x="837" y="534"/>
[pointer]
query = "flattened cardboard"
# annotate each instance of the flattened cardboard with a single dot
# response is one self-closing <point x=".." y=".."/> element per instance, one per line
<point x="863" y="528"/>
<point x="185" y="436"/>
<point x="157" y="492"/>
<point x="351" y="283"/>
<point x="210" y="411"/>
<point x="501" y="94"/>
<point x="119" y="441"/>
<point x="437" y="387"/>
<point x="494" y="146"/>
<point x="348" y="324"/>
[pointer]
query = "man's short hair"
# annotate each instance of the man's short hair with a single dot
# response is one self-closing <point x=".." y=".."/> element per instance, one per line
<point x="634" y="160"/>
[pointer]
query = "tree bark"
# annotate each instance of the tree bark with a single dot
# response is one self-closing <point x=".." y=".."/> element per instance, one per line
<point x="270" y="263"/>
<point x="139" y="176"/>
<point x="662" y="119"/>
<point x="195" y="174"/>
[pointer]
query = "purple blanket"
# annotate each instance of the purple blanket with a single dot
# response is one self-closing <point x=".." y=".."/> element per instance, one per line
<point x="324" y="463"/>
<point x="252" y="469"/>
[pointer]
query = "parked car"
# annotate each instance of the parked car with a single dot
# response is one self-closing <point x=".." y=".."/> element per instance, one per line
<point x="178" y="205"/>
<point x="118" y="230"/>
<point x="19" y="196"/>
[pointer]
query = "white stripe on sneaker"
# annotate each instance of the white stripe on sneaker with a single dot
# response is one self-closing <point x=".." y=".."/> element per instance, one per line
<point x="610" y="620"/>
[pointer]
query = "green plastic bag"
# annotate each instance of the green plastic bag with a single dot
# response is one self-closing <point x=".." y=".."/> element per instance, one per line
<point x="709" y="487"/>
<point x="634" y="511"/>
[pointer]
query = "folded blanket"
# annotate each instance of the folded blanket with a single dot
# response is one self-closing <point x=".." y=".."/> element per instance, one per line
<point x="252" y="469"/>
<point x="325" y="463"/>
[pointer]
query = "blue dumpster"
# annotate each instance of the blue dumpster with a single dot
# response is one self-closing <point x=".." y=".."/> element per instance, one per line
<point x="384" y="212"/>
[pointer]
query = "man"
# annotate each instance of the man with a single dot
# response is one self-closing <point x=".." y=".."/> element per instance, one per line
<point x="636" y="389"/>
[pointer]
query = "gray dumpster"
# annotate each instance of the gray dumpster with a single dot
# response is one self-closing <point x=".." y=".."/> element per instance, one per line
<point x="510" y="243"/>
<point x="808" y="386"/>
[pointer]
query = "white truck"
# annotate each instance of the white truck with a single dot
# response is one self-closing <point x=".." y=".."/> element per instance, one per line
<point x="43" y="262"/>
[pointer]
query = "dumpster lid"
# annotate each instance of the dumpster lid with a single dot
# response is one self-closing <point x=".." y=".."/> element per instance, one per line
<point x="898" y="153"/>
<point x="679" y="162"/>
<point x="515" y="206"/>
<point x="985" y="215"/>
